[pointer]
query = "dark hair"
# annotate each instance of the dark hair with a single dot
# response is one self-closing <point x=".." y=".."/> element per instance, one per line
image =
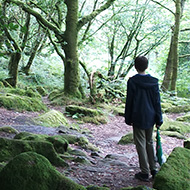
<point x="141" y="63"/>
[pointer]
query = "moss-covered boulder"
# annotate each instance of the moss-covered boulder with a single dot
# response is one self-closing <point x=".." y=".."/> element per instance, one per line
<point x="178" y="109"/>
<point x="126" y="139"/>
<point x="59" y="143"/>
<point x="21" y="100"/>
<point x="81" y="140"/>
<point x="87" y="115"/>
<point x="72" y="109"/>
<point x="184" y="118"/>
<point x="174" y="174"/>
<point x="171" y="125"/>
<point x="173" y="134"/>
<point x="141" y="187"/>
<point x="51" y="118"/>
<point x="9" y="148"/>
<point x="32" y="171"/>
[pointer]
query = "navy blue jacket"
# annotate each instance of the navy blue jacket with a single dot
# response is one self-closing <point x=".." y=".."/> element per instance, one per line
<point x="143" y="108"/>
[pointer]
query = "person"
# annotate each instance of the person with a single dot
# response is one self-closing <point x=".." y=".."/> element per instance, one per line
<point x="143" y="111"/>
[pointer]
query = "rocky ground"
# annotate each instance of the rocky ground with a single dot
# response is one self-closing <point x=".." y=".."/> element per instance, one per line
<point x="112" y="166"/>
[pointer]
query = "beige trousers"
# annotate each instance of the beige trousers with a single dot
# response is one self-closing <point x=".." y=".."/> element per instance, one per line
<point x="145" y="149"/>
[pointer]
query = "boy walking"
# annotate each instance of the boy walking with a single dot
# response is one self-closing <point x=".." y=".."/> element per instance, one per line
<point x="143" y="111"/>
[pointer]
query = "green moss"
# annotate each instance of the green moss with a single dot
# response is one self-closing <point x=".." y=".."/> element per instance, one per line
<point x="87" y="115"/>
<point x="72" y="109"/>
<point x="32" y="171"/>
<point x="174" y="174"/>
<point x="52" y="118"/>
<point x="185" y="118"/>
<point x="127" y="139"/>
<point x="141" y="187"/>
<point x="54" y="94"/>
<point x="81" y="141"/>
<point x="20" y="103"/>
<point x="59" y="143"/>
<point x="41" y="90"/>
<point x="57" y="97"/>
<point x="2" y="85"/>
<point x="8" y="129"/>
<point x="28" y="92"/>
<point x="9" y="148"/>
<point x="96" y="120"/>
<point x="171" y="125"/>
<point x="173" y="134"/>
<point x="178" y="109"/>
<point x="92" y="187"/>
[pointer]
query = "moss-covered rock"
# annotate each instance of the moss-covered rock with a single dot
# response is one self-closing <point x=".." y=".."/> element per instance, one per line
<point x="96" y="120"/>
<point x="51" y="118"/>
<point x="32" y="171"/>
<point x="178" y="109"/>
<point x="173" y="134"/>
<point x="41" y="90"/>
<point x="166" y="105"/>
<point x="8" y="129"/>
<point x="87" y="115"/>
<point x="72" y="109"/>
<point x="54" y="94"/>
<point x="20" y="100"/>
<point x="174" y="174"/>
<point x="59" y="143"/>
<point x="141" y="187"/>
<point x="9" y="148"/>
<point x="126" y="139"/>
<point x="184" y="118"/>
<point x="93" y="187"/>
<point x="171" y="125"/>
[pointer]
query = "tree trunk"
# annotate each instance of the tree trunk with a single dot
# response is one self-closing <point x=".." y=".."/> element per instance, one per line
<point x="13" y="69"/>
<point x="168" y="70"/>
<point x="71" y="78"/>
<point x="175" y="45"/>
<point x="34" y="49"/>
<point x="170" y="77"/>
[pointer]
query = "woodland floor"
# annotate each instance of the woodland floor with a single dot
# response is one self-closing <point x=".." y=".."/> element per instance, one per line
<point x="113" y="166"/>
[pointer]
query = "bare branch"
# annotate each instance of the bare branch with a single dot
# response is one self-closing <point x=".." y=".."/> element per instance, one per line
<point x="183" y="56"/>
<point x="163" y="6"/>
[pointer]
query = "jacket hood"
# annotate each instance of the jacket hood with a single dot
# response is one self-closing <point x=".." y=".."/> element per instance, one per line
<point x="144" y="81"/>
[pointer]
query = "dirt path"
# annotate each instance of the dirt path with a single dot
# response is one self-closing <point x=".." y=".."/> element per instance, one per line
<point x="113" y="166"/>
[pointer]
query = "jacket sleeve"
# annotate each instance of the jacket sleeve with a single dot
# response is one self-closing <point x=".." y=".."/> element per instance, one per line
<point x="158" y="118"/>
<point x="129" y="104"/>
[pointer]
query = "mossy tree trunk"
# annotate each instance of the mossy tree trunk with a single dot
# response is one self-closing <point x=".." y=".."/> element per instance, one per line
<point x="175" y="45"/>
<point x="68" y="39"/>
<point x="16" y="49"/>
<point x="71" y="77"/>
<point x="13" y="68"/>
<point x="170" y="77"/>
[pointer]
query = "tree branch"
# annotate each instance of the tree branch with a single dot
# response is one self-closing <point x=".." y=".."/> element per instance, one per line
<point x="163" y="6"/>
<point x="91" y="16"/>
<point x="183" y="56"/>
<point x="38" y="16"/>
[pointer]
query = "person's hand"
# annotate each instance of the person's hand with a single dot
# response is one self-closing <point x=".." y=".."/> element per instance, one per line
<point x="158" y="126"/>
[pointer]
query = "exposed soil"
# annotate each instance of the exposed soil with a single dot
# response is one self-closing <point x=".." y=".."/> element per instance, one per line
<point x="112" y="166"/>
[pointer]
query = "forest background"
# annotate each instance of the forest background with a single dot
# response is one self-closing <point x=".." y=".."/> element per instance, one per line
<point x="86" y="48"/>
